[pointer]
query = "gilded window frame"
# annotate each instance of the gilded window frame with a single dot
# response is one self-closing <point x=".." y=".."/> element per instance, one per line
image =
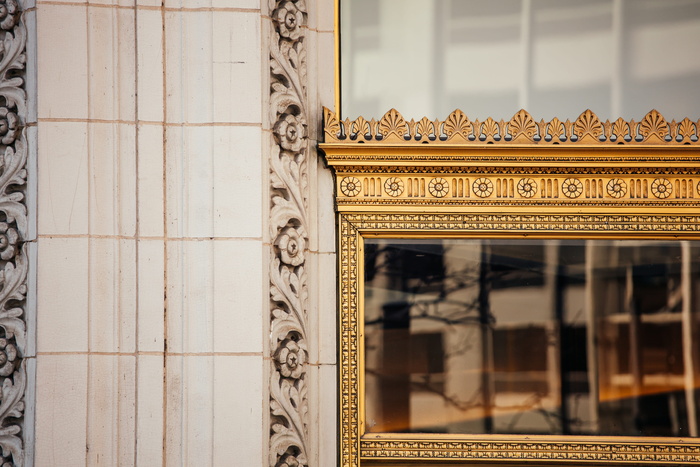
<point x="589" y="153"/>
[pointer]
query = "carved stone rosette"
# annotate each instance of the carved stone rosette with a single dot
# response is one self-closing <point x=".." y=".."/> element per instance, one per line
<point x="289" y="234"/>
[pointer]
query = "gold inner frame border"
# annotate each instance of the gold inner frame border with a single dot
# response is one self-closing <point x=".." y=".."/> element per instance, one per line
<point x="590" y="189"/>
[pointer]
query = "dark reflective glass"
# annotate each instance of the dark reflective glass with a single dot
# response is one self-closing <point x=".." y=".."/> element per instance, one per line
<point x="586" y="337"/>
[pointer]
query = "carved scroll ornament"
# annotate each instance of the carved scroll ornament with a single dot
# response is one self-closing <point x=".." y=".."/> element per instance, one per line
<point x="288" y="221"/>
<point x="13" y="233"/>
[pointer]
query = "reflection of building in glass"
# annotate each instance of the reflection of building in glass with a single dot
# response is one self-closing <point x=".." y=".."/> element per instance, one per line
<point x="528" y="336"/>
<point x="620" y="58"/>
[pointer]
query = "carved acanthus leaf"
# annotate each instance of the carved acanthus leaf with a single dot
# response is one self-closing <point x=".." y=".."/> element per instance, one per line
<point x="13" y="231"/>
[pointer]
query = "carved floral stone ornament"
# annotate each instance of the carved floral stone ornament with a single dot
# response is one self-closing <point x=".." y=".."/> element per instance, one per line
<point x="521" y="178"/>
<point x="9" y="14"/>
<point x="13" y="233"/>
<point x="289" y="424"/>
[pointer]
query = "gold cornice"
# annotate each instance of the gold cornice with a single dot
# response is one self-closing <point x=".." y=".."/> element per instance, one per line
<point x="520" y="131"/>
<point x="450" y="182"/>
<point x="451" y="166"/>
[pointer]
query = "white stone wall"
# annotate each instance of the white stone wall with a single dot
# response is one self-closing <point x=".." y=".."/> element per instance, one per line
<point x="152" y="203"/>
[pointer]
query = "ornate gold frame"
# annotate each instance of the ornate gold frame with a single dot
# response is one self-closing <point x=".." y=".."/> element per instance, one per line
<point x="463" y="178"/>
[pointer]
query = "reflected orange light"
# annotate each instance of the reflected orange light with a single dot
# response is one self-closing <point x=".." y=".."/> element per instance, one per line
<point x="427" y="420"/>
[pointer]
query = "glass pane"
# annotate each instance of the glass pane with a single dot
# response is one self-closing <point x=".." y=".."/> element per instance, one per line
<point x="554" y="58"/>
<point x="586" y="337"/>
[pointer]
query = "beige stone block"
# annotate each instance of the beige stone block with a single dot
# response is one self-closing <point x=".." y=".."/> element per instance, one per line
<point x="187" y="4"/>
<point x="189" y="181"/>
<point x="215" y="294"/>
<point x="63" y="178"/>
<point x="62" y="297"/>
<point x="151" y="291"/>
<point x="237" y="79"/>
<point x="190" y="411"/>
<point x="111" y="35"/>
<point x="149" y="422"/>
<point x="174" y="411"/>
<point x="189" y="66"/>
<point x="214" y="182"/>
<point x="149" y="4"/>
<point x="238" y="281"/>
<point x="111" y="415"/>
<point x="112" y="179"/>
<point x="151" y="207"/>
<point x="326" y="15"/>
<point x="190" y="295"/>
<point x="315" y="121"/>
<point x="227" y="4"/>
<point x="321" y="14"/>
<point x="326" y="69"/>
<point x="61" y="410"/>
<point x="327" y="406"/>
<point x="327" y="282"/>
<point x="238" y="395"/>
<point x="150" y="65"/>
<point x="325" y="209"/>
<point x="246" y="4"/>
<point x="112" y="282"/>
<point x="62" y="61"/>
<point x="115" y="3"/>
<point x="213" y="67"/>
<point x="238" y="194"/>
